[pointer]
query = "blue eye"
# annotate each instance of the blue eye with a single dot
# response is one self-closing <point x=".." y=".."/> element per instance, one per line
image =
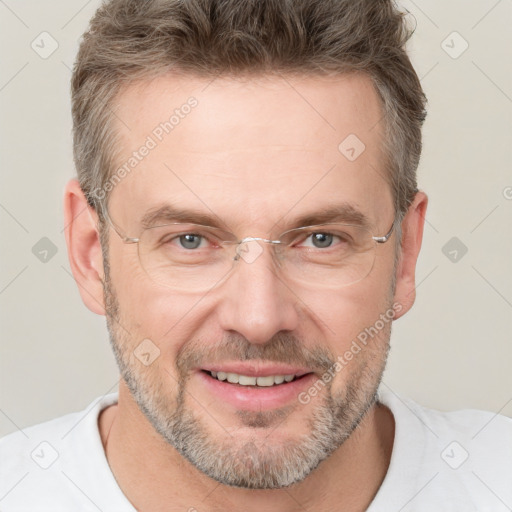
<point x="322" y="240"/>
<point x="190" y="241"/>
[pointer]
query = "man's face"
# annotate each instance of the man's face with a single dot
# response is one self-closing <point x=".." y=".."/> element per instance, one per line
<point x="256" y="155"/>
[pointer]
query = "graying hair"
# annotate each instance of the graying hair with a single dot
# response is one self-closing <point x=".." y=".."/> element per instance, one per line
<point x="135" y="40"/>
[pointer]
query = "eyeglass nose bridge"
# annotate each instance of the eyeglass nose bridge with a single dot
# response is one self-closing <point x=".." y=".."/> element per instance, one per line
<point x="250" y="255"/>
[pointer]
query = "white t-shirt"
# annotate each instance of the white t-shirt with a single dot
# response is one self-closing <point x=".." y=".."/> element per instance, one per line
<point x="457" y="461"/>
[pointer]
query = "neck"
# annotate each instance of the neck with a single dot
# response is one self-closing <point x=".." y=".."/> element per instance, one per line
<point x="152" y="474"/>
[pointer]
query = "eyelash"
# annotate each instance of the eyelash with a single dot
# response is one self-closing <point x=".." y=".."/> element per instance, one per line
<point x="207" y="238"/>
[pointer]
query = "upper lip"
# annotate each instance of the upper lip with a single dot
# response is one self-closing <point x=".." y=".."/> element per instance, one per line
<point x="252" y="369"/>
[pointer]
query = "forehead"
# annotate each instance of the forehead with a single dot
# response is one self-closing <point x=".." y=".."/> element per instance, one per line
<point x="249" y="148"/>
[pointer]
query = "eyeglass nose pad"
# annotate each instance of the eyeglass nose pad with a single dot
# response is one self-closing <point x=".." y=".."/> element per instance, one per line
<point x="249" y="252"/>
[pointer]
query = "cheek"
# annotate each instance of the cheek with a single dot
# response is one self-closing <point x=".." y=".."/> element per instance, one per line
<point x="150" y="311"/>
<point x="357" y="326"/>
<point x="342" y="315"/>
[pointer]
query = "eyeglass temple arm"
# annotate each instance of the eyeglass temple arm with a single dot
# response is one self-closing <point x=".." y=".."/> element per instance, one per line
<point x="385" y="238"/>
<point x="124" y="238"/>
<point x="130" y="240"/>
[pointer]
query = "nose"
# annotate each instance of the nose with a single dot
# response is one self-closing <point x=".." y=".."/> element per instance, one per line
<point x="256" y="301"/>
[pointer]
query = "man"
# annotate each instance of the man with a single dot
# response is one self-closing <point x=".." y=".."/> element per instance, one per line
<point x="247" y="218"/>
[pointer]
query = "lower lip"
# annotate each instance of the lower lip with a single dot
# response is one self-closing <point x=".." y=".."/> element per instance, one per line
<point x="252" y="398"/>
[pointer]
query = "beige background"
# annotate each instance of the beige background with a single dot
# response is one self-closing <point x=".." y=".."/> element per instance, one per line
<point x="453" y="350"/>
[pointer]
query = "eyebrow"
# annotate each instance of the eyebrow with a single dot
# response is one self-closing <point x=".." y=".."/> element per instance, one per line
<point x="344" y="212"/>
<point x="168" y="213"/>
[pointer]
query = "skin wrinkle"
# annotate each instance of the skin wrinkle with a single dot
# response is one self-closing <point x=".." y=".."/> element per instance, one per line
<point x="330" y="426"/>
<point x="265" y="450"/>
<point x="276" y="87"/>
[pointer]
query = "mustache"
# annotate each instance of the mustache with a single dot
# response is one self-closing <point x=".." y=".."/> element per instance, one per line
<point x="281" y="348"/>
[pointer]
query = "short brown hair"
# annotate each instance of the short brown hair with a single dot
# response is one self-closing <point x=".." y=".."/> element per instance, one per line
<point x="133" y="40"/>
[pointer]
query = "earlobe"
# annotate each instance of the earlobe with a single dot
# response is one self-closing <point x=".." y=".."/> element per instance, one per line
<point x="412" y="236"/>
<point x="84" y="248"/>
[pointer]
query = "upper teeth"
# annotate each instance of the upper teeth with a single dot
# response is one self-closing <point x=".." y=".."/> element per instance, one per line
<point x="246" y="380"/>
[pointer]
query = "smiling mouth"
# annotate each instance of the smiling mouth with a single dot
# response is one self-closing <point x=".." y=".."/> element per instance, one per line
<point x="252" y="381"/>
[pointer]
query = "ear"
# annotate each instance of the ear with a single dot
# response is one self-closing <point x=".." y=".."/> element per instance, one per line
<point x="412" y="236"/>
<point x="84" y="249"/>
